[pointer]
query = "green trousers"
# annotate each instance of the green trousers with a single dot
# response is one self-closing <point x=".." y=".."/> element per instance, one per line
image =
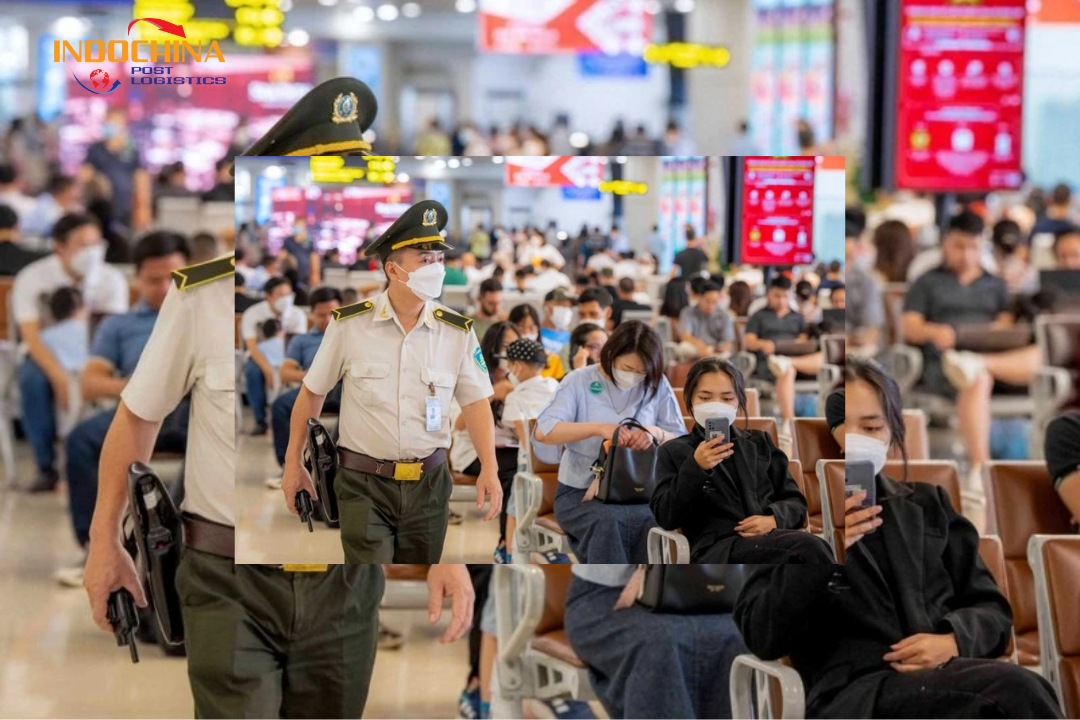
<point x="265" y="643"/>
<point x="385" y="521"/>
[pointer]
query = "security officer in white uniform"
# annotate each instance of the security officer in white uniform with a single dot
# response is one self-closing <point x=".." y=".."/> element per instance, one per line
<point x="403" y="358"/>
<point x="261" y="640"/>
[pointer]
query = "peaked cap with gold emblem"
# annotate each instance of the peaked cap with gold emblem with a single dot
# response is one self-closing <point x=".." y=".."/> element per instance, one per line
<point x="329" y="120"/>
<point x="418" y="227"/>
<point x="202" y="273"/>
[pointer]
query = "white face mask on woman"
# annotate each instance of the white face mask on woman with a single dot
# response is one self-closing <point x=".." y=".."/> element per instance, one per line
<point x="561" y="317"/>
<point x="706" y="411"/>
<point x="627" y="380"/>
<point x="864" y="447"/>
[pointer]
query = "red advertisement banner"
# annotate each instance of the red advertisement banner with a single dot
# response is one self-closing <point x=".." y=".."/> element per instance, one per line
<point x="554" y="171"/>
<point x="558" y="26"/>
<point x="960" y="92"/>
<point x="778" y="210"/>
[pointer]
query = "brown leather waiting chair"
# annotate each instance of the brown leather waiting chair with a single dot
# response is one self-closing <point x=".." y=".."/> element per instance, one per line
<point x="1056" y="563"/>
<point x="811" y="441"/>
<point x="942" y="473"/>
<point x="833" y="506"/>
<point x="1021" y="502"/>
<point x="993" y="558"/>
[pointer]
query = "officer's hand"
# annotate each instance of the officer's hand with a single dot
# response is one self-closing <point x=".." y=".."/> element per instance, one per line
<point x="489" y="487"/>
<point x="451" y="581"/>
<point x="295" y="479"/>
<point x="109" y="568"/>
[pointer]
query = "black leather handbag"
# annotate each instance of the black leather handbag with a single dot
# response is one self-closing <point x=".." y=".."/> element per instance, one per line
<point x="692" y="589"/>
<point x="627" y="477"/>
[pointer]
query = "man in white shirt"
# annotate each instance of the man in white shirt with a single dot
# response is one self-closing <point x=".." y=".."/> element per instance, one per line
<point x="258" y="372"/>
<point x="601" y="260"/>
<point x="79" y="261"/>
<point x="548" y="279"/>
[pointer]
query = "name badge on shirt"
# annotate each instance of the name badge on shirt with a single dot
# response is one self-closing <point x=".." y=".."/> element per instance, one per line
<point x="434" y="412"/>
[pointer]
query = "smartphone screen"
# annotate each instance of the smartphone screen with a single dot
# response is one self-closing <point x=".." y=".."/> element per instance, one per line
<point x="859" y="477"/>
<point x="716" y="427"/>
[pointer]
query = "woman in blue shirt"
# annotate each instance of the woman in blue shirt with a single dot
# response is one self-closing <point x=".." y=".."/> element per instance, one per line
<point x="628" y="383"/>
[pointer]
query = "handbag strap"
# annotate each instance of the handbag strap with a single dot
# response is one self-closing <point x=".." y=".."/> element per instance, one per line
<point x="630" y="423"/>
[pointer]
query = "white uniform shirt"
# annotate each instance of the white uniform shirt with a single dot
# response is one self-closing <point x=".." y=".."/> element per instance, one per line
<point x="547" y="280"/>
<point x="294" y="321"/>
<point x="388" y="377"/>
<point x="191" y="349"/>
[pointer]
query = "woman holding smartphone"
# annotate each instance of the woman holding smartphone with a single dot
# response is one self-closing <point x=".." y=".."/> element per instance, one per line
<point x="913" y="624"/>
<point x="732" y="496"/>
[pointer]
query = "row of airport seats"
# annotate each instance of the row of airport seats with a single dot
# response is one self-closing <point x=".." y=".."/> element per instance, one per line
<point x="536" y="660"/>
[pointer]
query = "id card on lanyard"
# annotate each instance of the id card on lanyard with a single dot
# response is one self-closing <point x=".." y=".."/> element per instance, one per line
<point x="434" y="410"/>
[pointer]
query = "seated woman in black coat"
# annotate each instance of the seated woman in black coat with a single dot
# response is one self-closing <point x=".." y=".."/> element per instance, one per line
<point x="913" y="624"/>
<point x="735" y="501"/>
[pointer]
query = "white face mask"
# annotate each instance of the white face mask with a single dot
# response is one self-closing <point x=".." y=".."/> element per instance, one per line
<point x="864" y="447"/>
<point x="513" y="378"/>
<point x="282" y="304"/>
<point x="705" y="411"/>
<point x="88" y="259"/>
<point x="627" y="380"/>
<point x="504" y="365"/>
<point x="426" y="282"/>
<point x="561" y="317"/>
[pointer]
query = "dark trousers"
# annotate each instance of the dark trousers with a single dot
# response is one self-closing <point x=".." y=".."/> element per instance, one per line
<point x="481" y="582"/>
<point x="779" y="547"/>
<point x="264" y="643"/>
<point x="38" y="419"/>
<point x="967" y="688"/>
<point x="507" y="459"/>
<point x="281" y="414"/>
<point x="83" y="451"/>
<point x="397" y="521"/>
<point x="652" y="665"/>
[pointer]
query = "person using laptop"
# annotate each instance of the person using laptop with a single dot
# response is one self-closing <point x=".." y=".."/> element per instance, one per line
<point x="959" y="293"/>
<point x="774" y="324"/>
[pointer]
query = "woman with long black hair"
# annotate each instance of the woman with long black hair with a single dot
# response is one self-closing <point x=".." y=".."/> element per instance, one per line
<point x="913" y="625"/>
<point x="733" y="497"/>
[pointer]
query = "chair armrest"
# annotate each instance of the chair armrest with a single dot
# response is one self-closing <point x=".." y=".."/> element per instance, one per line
<point x="519" y="605"/>
<point x="661" y="543"/>
<point x="905" y="364"/>
<point x="746" y="362"/>
<point x="528" y="491"/>
<point x="750" y="692"/>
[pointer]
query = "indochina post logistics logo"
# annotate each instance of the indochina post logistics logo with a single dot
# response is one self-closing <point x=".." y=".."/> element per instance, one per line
<point x="124" y="51"/>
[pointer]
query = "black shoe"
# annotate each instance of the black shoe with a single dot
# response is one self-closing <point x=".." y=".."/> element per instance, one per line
<point x="44" y="482"/>
<point x="260" y="429"/>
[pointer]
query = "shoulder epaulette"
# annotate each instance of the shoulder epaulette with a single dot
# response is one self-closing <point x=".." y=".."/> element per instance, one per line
<point x="452" y="318"/>
<point x="202" y="273"/>
<point x="355" y="309"/>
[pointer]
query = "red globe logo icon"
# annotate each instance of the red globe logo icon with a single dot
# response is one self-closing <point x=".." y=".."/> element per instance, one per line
<point x="100" y="79"/>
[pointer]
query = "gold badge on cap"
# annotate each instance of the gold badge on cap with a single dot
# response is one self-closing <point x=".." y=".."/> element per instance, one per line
<point x="429" y="217"/>
<point x="346" y="108"/>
